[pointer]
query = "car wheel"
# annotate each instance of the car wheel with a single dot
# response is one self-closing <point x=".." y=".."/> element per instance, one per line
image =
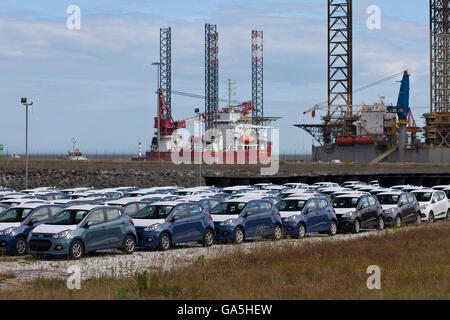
<point x="419" y="218"/>
<point x="356" y="226"/>
<point x="76" y="250"/>
<point x="238" y="236"/>
<point x="277" y="233"/>
<point x="431" y="217"/>
<point x="20" y="247"/>
<point x="301" y="231"/>
<point x="208" y="238"/>
<point x="380" y="224"/>
<point x="398" y="221"/>
<point x="129" y="244"/>
<point x="333" y="228"/>
<point x="165" y="242"/>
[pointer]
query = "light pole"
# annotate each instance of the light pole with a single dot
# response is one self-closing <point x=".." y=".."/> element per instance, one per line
<point x="158" y="86"/>
<point x="197" y="111"/>
<point x="24" y="102"/>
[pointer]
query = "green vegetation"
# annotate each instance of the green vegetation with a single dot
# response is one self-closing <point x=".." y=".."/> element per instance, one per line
<point x="414" y="262"/>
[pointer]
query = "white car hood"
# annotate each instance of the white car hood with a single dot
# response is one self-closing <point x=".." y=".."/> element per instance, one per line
<point x="50" y="228"/>
<point x="388" y="206"/>
<point x="344" y="210"/>
<point x="223" y="217"/>
<point x="6" y="225"/>
<point x="286" y="214"/>
<point x="147" y="222"/>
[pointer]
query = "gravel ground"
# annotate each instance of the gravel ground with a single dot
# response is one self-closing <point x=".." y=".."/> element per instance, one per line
<point x="113" y="263"/>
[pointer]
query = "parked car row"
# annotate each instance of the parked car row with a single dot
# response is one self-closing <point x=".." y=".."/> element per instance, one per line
<point x="124" y="218"/>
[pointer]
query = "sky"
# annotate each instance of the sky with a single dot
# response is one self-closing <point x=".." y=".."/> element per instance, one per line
<point x="97" y="84"/>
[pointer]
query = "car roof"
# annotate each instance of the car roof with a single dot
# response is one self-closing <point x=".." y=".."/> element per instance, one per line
<point x="22" y="200"/>
<point x="123" y="201"/>
<point x="351" y="195"/>
<point x="305" y="197"/>
<point x="32" y="205"/>
<point x="167" y="203"/>
<point x="87" y="207"/>
<point x="389" y="193"/>
<point x="425" y="190"/>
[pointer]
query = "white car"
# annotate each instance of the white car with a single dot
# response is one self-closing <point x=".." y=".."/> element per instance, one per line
<point x="434" y="204"/>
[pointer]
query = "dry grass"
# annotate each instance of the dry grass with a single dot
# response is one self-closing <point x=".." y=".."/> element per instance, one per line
<point x="415" y="264"/>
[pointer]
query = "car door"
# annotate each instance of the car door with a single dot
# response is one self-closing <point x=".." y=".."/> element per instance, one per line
<point x="373" y="207"/>
<point x="323" y="222"/>
<point x="404" y="208"/>
<point x="266" y="219"/>
<point x="114" y="227"/>
<point x="182" y="228"/>
<point x="252" y="220"/>
<point x="443" y="203"/>
<point x="435" y="204"/>
<point x="366" y="212"/>
<point x="412" y="200"/>
<point x="197" y="221"/>
<point x="95" y="236"/>
<point x="311" y="217"/>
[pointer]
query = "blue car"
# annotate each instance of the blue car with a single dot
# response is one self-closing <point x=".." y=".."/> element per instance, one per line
<point x="305" y="214"/>
<point x="78" y="230"/>
<point x="17" y="222"/>
<point x="246" y="218"/>
<point x="163" y="224"/>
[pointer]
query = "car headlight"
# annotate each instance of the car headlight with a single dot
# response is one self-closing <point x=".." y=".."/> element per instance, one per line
<point x="291" y="218"/>
<point x="6" y="231"/>
<point x="153" y="227"/>
<point x="348" y="214"/>
<point x="390" y="211"/>
<point x="423" y="207"/>
<point x="228" y="222"/>
<point x="61" y="234"/>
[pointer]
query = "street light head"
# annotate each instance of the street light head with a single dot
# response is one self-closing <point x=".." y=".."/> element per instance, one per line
<point x="23" y="100"/>
<point x="196" y="110"/>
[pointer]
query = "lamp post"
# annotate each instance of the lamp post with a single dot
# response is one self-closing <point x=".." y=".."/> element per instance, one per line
<point x="27" y="105"/>
<point x="158" y="65"/>
<point x="197" y="111"/>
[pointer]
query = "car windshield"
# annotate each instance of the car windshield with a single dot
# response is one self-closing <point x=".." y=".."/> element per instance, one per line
<point x="388" y="198"/>
<point x="14" y="215"/>
<point x="346" y="202"/>
<point x="154" y="212"/>
<point x="423" y="196"/>
<point x="68" y="217"/>
<point x="228" y="208"/>
<point x="183" y="193"/>
<point x="291" y="205"/>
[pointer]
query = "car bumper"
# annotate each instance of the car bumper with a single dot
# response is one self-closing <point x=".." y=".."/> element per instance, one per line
<point x="389" y="220"/>
<point x="290" y="228"/>
<point x="7" y="243"/>
<point x="147" y="238"/>
<point x="224" y="233"/>
<point x="49" y="245"/>
<point x="345" y="224"/>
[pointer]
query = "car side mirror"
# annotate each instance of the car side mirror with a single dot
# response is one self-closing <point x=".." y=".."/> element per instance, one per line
<point x="89" y="224"/>
<point x="433" y="201"/>
<point x="247" y="214"/>
<point x="33" y="222"/>
<point x="174" y="218"/>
